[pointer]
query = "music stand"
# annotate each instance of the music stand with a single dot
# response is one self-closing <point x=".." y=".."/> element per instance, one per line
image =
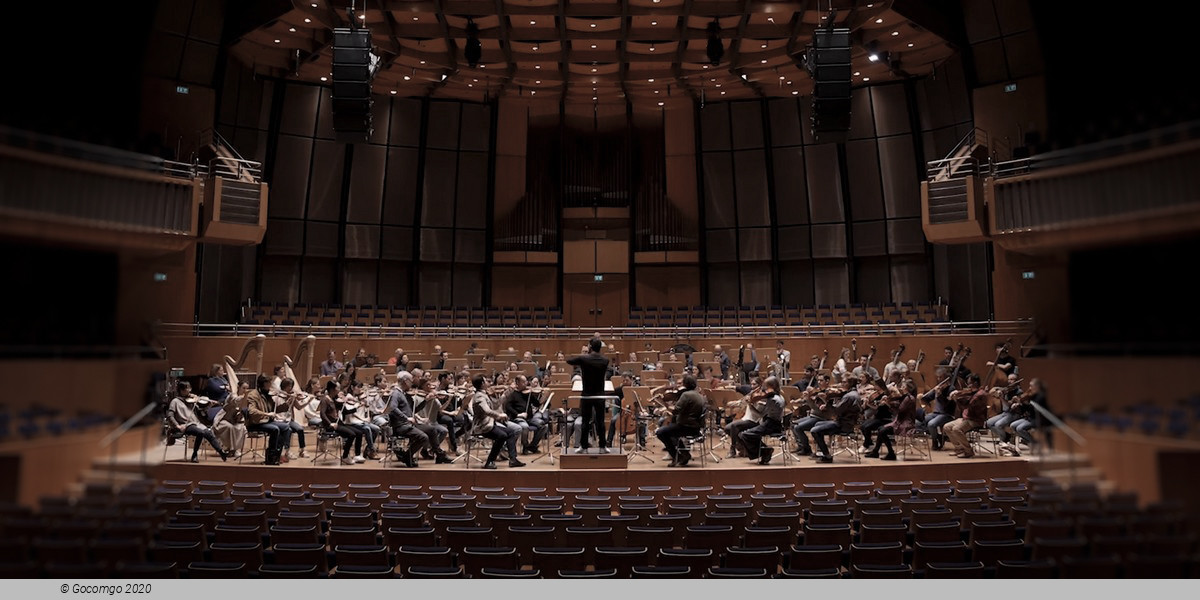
<point x="638" y="450"/>
<point x="716" y="401"/>
<point x="577" y="386"/>
<point x="549" y="447"/>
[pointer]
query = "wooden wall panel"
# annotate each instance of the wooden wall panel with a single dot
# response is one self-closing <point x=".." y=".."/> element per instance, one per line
<point x="524" y="285"/>
<point x="667" y="285"/>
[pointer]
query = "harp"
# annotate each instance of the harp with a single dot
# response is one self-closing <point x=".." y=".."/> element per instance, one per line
<point x="249" y="364"/>
<point x="303" y="361"/>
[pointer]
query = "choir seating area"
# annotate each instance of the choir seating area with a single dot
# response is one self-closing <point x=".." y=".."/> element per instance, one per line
<point x="1002" y="527"/>
<point x="763" y="316"/>
<point x="367" y="315"/>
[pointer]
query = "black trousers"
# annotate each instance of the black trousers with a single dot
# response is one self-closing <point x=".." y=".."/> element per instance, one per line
<point x="593" y="417"/>
<point x="868" y="428"/>
<point x="752" y="438"/>
<point x="417" y="437"/>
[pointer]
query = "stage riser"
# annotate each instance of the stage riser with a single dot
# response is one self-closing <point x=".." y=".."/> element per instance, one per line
<point x="692" y="475"/>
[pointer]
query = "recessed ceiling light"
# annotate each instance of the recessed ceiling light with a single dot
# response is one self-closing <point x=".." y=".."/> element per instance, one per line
<point x="713" y="79"/>
<point x="276" y="41"/>
<point x="722" y="93"/>
<point x="705" y="66"/>
<point x="324" y="79"/>
<point x="594" y="98"/>
<point x="292" y="29"/>
<point x="770" y="19"/>
<point x="763" y="61"/>
<point x="482" y="66"/>
<point x="314" y="4"/>
<point x="422" y="62"/>
<point x="537" y="66"/>
<point x="407" y="77"/>
<point x="795" y="92"/>
<point x="593" y="46"/>
<point x="870" y="4"/>
<point x="789" y="83"/>
<point x="533" y="22"/>
<point x="593" y="69"/>
<point x="539" y="81"/>
<point x="414" y="18"/>
<point x="393" y="92"/>
<point x="363" y="16"/>
<point x="532" y="92"/>
<point x="475" y="80"/>
<point x="593" y="24"/>
<point x="307" y="20"/>
<point x="470" y="85"/>
<point x="651" y="80"/>
<point x="718" y="85"/>
<point x="764" y="45"/>
<point x="879" y="20"/>
<point x="661" y="103"/>
<point x="655" y="91"/>
<point x="910" y="44"/>
<point x="535" y="47"/>
<point x="652" y="47"/>
<point x="781" y="76"/>
<point x="654" y="22"/>
<point x="866" y="78"/>
<point x="656" y="1"/>
<point x="856" y="73"/>
<point x="895" y="33"/>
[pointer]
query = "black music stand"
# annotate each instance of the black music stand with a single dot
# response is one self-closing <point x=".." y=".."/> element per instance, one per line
<point x="639" y="450"/>
<point x="549" y="447"/>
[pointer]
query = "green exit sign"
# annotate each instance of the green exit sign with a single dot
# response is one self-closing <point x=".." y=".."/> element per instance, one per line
<point x="182" y="89"/>
<point x="1010" y="87"/>
<point x="1027" y="274"/>
<point x="599" y="278"/>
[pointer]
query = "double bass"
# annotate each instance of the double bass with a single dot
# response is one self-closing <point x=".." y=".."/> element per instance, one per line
<point x="995" y="372"/>
<point x="917" y="371"/>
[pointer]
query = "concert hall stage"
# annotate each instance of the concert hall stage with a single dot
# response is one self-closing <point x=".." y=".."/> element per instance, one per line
<point x="637" y="472"/>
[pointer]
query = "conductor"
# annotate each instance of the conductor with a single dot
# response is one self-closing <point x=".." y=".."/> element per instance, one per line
<point x="593" y="367"/>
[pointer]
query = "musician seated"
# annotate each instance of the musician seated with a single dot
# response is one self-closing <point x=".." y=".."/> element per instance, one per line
<point x="395" y="359"/>
<point x="230" y="422"/>
<point x="614" y="412"/>
<point x="751" y="417"/>
<point x="260" y="417"/>
<point x="1027" y="417"/>
<point x="974" y="415"/>
<point x="815" y="415"/>
<point x="284" y="402"/>
<point x="876" y="409"/>
<point x="489" y="421"/>
<point x="864" y="371"/>
<point x="999" y="423"/>
<point x="331" y="366"/>
<point x="941" y="408"/>
<point x="332" y="419"/>
<point x="182" y="418"/>
<point x="523" y="410"/>
<point x="404" y="424"/>
<point x="359" y="417"/>
<point x="769" y="404"/>
<point x="686" y="420"/>
<point x="217" y="388"/>
<point x="903" y="423"/>
<point x="843" y="418"/>
<point x="427" y="413"/>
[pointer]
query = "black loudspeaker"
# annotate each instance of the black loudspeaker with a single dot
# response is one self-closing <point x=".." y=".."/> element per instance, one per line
<point x="353" y="69"/>
<point x="828" y="62"/>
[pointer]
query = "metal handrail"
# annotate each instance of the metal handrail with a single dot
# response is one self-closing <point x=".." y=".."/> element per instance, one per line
<point x="846" y="329"/>
<point x="1058" y="424"/>
<point x="1099" y="150"/>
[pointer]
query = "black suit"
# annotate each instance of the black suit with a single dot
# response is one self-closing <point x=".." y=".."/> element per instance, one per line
<point x="593" y="368"/>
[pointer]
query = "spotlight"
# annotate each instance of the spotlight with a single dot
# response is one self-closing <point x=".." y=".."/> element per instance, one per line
<point x="474" y="50"/>
<point x="715" y="49"/>
<point x="873" y="52"/>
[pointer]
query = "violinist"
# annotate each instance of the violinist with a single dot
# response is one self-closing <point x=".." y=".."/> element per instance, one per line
<point x="358" y="416"/>
<point x="808" y="380"/>
<point x="999" y="423"/>
<point x="877" y="410"/>
<point x="453" y="416"/>
<point x="751" y="417"/>
<point x="768" y="402"/>
<point x="939" y="408"/>
<point x="904" y="421"/>
<point x="972" y="403"/>
<point x="1029" y="418"/>
<point x="522" y="409"/>
<point x="842" y="415"/>
<point x="285" y="401"/>
<point x="427" y="413"/>
<point x="182" y="418"/>
<point x="230" y="422"/>
<point x="260" y="416"/>
<point x="686" y="420"/>
<point x="331" y="420"/>
<point x="404" y="423"/>
<point x="488" y="421"/>
<point x="815" y="399"/>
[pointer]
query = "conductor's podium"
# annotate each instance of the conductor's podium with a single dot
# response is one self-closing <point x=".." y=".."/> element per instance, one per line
<point x="592" y="458"/>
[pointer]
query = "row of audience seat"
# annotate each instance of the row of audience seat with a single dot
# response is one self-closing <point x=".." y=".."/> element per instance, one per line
<point x="762" y="316"/>
<point x="999" y="527"/>
<point x="400" y="316"/>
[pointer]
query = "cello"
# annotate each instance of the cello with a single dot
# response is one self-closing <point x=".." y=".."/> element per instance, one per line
<point x="990" y="380"/>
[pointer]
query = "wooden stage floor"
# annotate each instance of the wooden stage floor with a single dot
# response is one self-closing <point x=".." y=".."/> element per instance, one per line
<point x="635" y="472"/>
